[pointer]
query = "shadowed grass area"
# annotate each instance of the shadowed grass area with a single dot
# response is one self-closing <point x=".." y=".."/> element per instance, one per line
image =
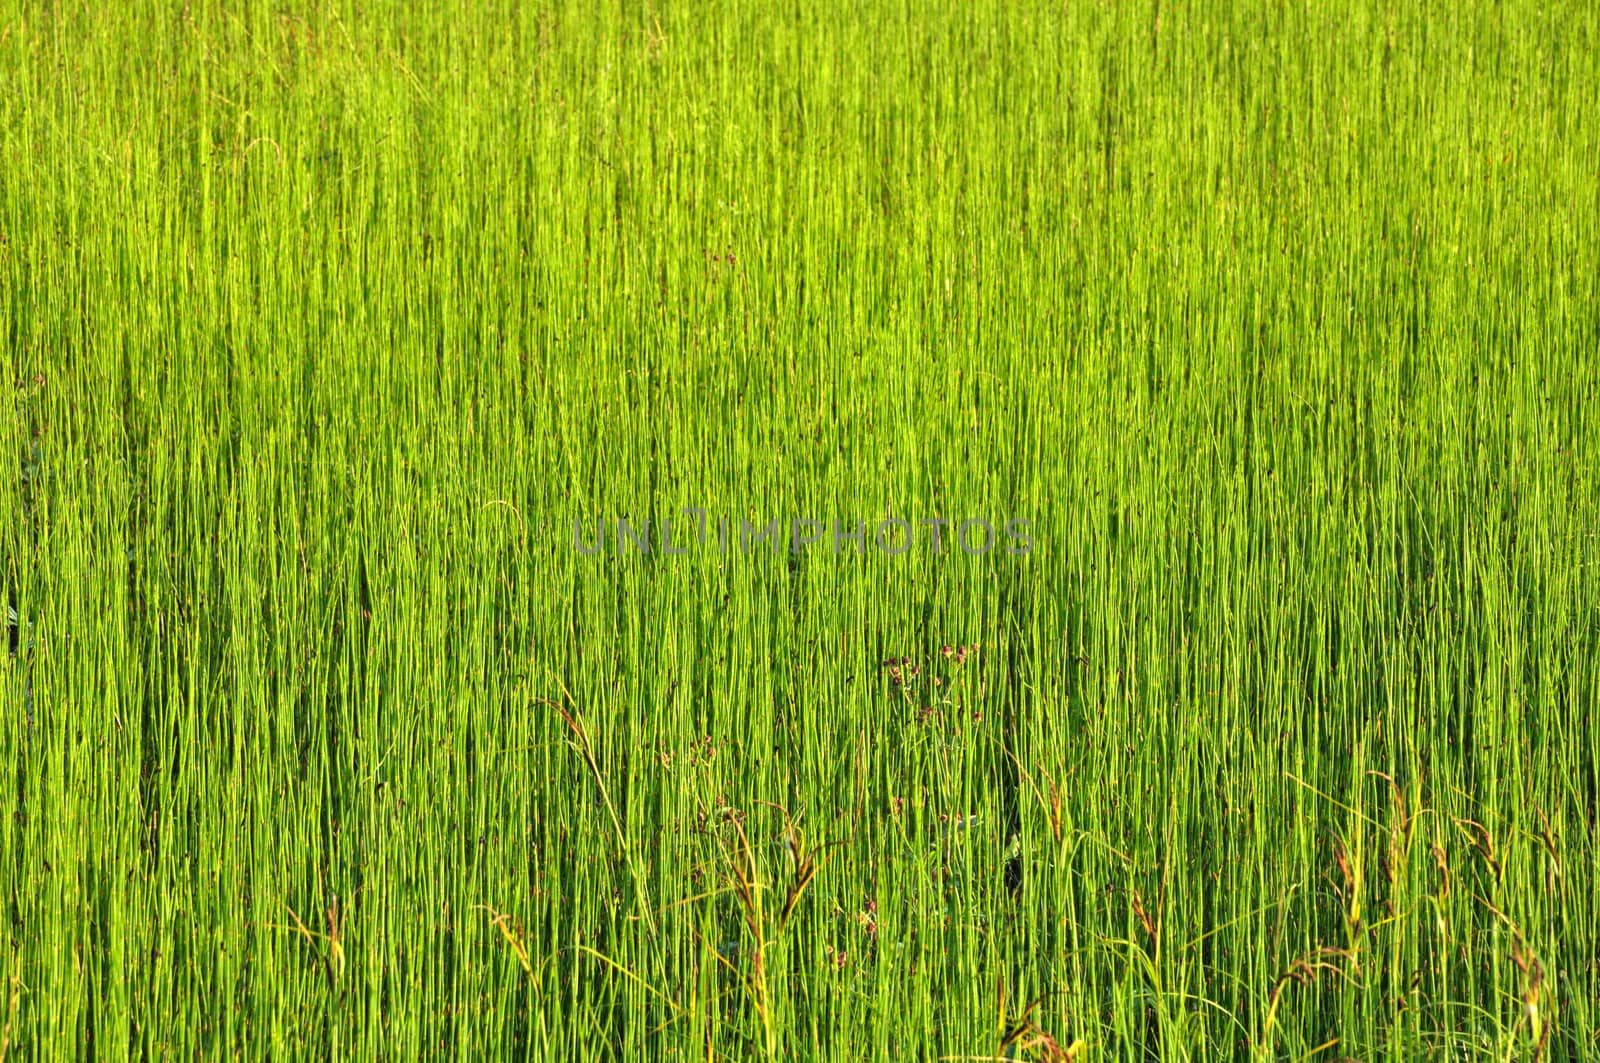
<point x="1276" y="322"/>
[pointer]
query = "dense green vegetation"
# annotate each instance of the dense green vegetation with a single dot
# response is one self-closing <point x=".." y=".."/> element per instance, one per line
<point x="321" y="323"/>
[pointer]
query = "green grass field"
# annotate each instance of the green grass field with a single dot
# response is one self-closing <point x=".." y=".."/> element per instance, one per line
<point x="1276" y="321"/>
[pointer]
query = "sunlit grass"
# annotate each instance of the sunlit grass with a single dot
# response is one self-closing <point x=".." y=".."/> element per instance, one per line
<point x="324" y="323"/>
